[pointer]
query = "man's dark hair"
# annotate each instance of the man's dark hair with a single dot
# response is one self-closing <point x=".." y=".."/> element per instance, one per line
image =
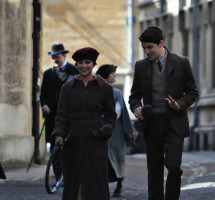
<point x="152" y="34"/>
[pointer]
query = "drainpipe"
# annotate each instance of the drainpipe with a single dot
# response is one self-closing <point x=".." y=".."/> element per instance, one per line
<point x="36" y="69"/>
<point x="130" y="33"/>
<point x="196" y="68"/>
<point x="161" y="13"/>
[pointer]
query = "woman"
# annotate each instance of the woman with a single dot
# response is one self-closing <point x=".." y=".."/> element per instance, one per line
<point x="123" y="131"/>
<point x="82" y="102"/>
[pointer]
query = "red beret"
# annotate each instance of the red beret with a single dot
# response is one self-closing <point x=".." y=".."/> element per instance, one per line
<point x="86" y="53"/>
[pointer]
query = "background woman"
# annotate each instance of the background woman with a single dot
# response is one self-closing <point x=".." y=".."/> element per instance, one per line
<point x="122" y="132"/>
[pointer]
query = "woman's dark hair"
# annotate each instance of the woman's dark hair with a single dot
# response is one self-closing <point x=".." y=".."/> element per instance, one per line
<point x="105" y="70"/>
<point x="152" y="34"/>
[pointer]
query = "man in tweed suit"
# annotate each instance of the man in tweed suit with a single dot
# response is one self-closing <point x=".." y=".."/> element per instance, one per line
<point x="165" y="83"/>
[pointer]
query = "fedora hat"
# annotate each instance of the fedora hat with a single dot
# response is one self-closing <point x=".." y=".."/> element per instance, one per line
<point x="56" y="49"/>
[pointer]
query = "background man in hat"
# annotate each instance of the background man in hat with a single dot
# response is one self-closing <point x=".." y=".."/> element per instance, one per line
<point x="53" y="79"/>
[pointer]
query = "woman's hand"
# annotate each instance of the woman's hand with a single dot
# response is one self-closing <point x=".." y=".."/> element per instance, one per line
<point x="58" y="140"/>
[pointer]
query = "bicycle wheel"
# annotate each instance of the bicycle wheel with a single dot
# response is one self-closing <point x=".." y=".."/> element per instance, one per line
<point x="50" y="181"/>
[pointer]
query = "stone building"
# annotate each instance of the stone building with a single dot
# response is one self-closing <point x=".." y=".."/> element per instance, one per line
<point x="190" y="30"/>
<point x="97" y="23"/>
<point x="16" y="141"/>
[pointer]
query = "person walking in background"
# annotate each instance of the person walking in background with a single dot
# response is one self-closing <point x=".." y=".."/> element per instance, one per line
<point x="2" y="174"/>
<point x="86" y="116"/>
<point x="53" y="79"/>
<point x="165" y="83"/>
<point x="122" y="132"/>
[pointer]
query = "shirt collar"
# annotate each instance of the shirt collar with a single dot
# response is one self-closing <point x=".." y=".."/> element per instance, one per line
<point x="63" y="66"/>
<point x="162" y="60"/>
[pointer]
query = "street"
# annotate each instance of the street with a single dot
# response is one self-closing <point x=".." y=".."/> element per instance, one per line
<point x="198" y="180"/>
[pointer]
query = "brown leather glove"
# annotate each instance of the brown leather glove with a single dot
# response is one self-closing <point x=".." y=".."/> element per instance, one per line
<point x="58" y="140"/>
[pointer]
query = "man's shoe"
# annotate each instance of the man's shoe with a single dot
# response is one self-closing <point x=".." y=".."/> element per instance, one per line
<point x="117" y="192"/>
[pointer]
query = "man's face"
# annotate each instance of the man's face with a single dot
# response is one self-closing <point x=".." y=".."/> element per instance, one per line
<point x="152" y="50"/>
<point x="59" y="59"/>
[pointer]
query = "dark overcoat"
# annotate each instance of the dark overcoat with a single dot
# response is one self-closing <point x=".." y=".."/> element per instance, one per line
<point x="50" y="92"/>
<point x="85" y="152"/>
<point x="180" y="85"/>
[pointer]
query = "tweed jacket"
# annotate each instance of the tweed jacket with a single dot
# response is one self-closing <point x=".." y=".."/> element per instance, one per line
<point x="180" y="85"/>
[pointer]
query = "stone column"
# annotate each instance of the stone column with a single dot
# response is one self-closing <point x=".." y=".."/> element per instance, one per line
<point x="16" y="141"/>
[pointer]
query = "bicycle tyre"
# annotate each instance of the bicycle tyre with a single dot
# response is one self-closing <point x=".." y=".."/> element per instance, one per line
<point x="51" y="184"/>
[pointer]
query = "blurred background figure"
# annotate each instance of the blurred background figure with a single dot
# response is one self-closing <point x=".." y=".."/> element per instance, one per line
<point x="123" y="132"/>
<point x="2" y="174"/>
<point x="53" y="79"/>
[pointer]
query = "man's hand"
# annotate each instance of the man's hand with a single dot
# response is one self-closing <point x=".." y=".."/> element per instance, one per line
<point x="172" y="103"/>
<point x="58" y="140"/>
<point x="138" y="113"/>
<point x="46" y="109"/>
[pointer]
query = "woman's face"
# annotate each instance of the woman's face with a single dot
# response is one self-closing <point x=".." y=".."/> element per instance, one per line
<point x="111" y="78"/>
<point x="85" y="67"/>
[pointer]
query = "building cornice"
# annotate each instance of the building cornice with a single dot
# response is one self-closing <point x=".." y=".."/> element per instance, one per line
<point x="147" y="3"/>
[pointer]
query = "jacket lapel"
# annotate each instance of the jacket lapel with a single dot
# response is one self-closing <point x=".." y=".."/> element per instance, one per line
<point x="148" y="83"/>
<point x="169" y="63"/>
<point x="169" y="66"/>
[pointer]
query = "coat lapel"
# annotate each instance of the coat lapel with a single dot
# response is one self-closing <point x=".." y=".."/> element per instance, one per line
<point x="169" y="63"/>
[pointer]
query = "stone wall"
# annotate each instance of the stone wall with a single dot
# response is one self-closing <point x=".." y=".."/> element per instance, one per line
<point x="97" y="23"/>
<point x="16" y="141"/>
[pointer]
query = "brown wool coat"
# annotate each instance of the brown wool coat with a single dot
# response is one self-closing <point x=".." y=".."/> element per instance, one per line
<point x="85" y="153"/>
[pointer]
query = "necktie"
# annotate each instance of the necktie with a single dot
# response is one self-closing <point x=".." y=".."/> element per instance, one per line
<point x="159" y="66"/>
<point x="61" y="70"/>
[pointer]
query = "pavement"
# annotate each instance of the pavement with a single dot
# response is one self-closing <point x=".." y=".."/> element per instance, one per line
<point x="198" y="180"/>
<point x="37" y="172"/>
